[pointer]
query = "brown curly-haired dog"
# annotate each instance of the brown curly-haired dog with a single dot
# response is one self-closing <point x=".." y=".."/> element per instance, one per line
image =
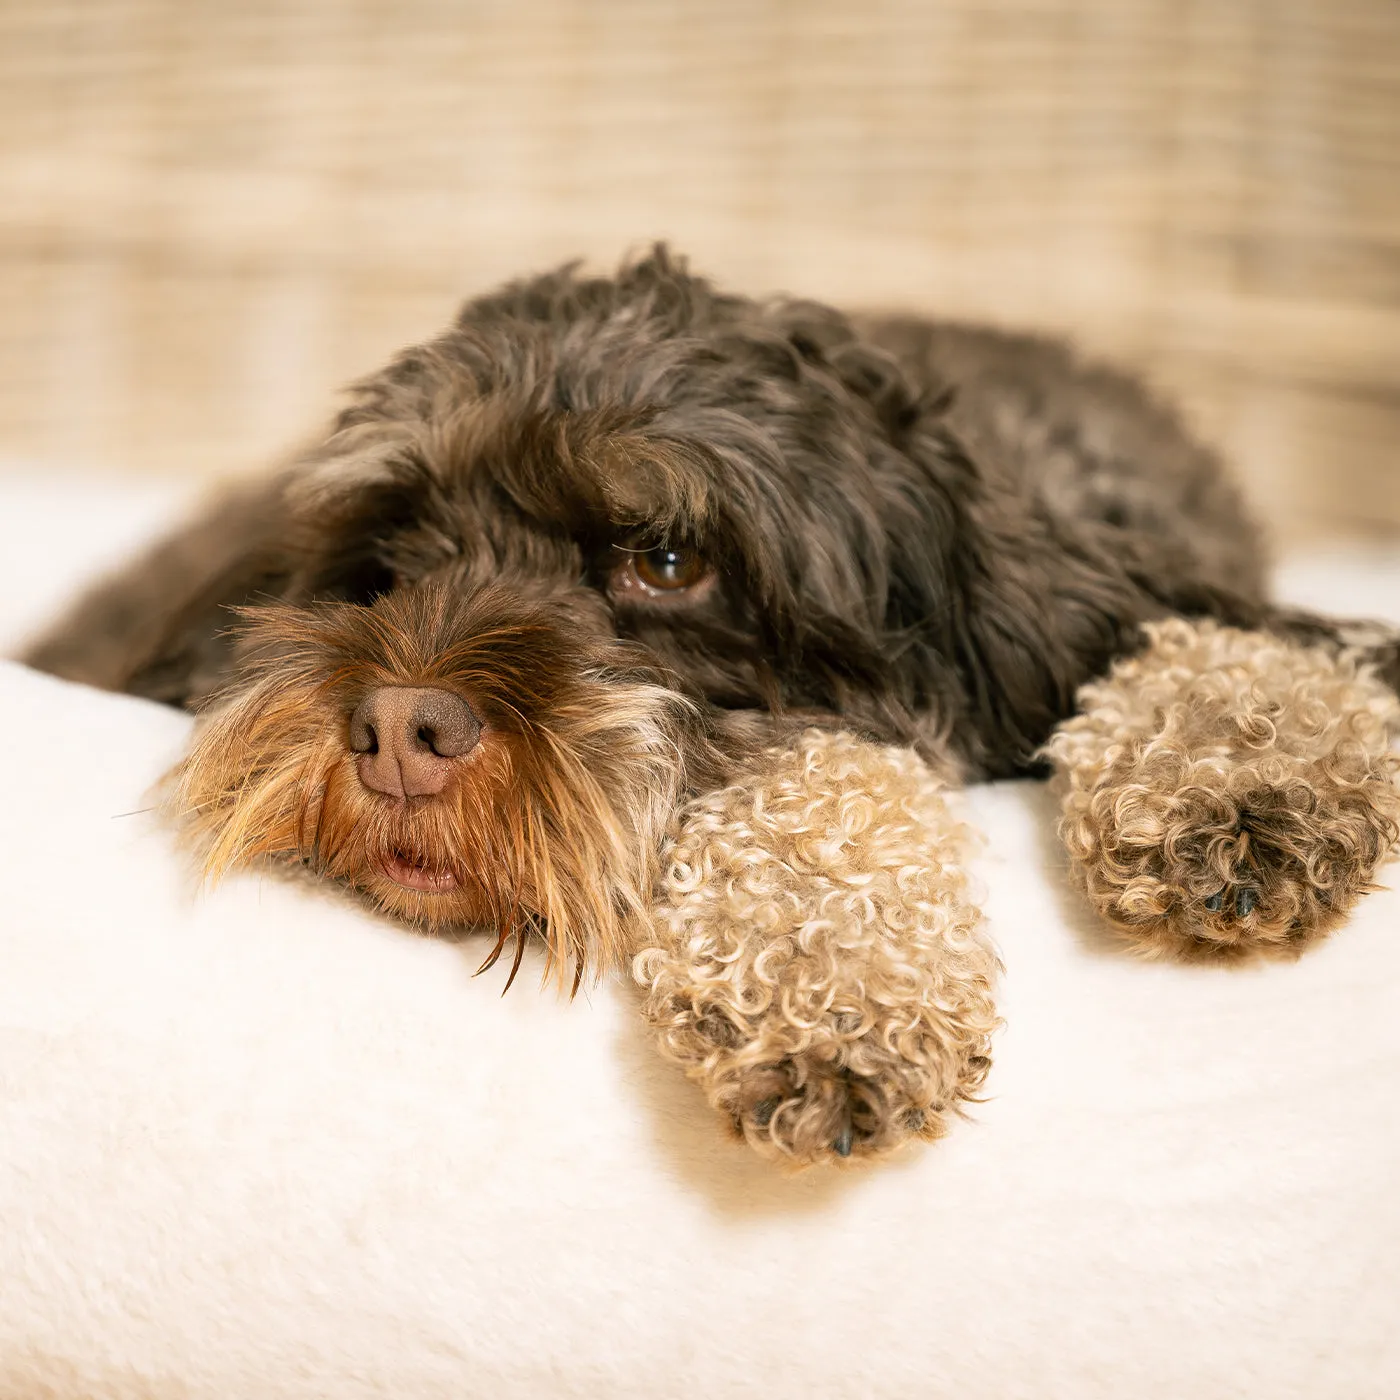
<point x="610" y="546"/>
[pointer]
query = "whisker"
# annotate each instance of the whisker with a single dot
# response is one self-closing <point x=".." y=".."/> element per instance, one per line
<point x="494" y="956"/>
<point x="518" y="926"/>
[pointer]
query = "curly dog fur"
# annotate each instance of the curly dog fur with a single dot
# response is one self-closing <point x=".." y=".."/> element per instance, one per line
<point x="611" y="561"/>
<point x="1228" y="792"/>
<point x="817" y="964"/>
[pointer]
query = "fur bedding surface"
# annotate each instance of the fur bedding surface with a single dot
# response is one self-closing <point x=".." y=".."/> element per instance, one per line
<point x="255" y="1143"/>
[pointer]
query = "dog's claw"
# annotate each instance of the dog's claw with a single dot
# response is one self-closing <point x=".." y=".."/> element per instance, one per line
<point x="844" y="1141"/>
<point x="763" y="1112"/>
<point x="1245" y="902"/>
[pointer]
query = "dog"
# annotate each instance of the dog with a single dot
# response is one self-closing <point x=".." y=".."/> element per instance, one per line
<point x="561" y="572"/>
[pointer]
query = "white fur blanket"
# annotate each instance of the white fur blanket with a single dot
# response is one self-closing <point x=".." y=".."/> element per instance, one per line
<point x="255" y="1143"/>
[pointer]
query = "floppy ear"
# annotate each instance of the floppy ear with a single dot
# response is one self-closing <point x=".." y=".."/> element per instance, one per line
<point x="1031" y="610"/>
<point x="159" y="627"/>
<point x="1038" y="619"/>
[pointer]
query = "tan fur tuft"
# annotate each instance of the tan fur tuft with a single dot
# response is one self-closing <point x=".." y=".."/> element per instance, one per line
<point x="555" y="821"/>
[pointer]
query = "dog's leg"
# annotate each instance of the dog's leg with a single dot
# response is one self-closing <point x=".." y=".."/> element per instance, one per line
<point x="1377" y="644"/>
<point x="816" y="965"/>
<point x="159" y="627"/>
<point x="1228" y="791"/>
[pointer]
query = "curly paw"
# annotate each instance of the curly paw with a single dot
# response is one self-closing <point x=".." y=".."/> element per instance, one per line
<point x="1227" y="792"/>
<point x="1221" y="863"/>
<point x="810" y="1107"/>
<point x="815" y="964"/>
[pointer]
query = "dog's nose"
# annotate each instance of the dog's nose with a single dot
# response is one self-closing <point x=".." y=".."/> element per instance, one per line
<point x="408" y="735"/>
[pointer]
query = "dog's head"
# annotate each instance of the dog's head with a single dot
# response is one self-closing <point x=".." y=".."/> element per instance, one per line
<point x="553" y="571"/>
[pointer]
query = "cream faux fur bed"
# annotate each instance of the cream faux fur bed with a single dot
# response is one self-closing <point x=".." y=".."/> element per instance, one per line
<point x="256" y="1144"/>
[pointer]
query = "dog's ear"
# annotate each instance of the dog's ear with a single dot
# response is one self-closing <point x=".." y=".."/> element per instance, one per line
<point x="1036" y="621"/>
<point x="160" y="627"/>
<point x="1015" y="611"/>
<point x="163" y="627"/>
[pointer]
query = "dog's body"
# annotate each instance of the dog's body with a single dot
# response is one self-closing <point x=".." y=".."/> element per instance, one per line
<point x="581" y="557"/>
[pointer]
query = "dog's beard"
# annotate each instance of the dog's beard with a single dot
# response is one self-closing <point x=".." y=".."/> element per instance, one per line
<point x="553" y="822"/>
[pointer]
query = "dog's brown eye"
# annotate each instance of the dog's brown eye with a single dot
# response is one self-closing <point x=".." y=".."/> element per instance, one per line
<point x="668" y="569"/>
<point x="663" y="572"/>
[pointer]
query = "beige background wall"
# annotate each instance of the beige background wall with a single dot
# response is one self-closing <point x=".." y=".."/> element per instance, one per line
<point x="211" y="214"/>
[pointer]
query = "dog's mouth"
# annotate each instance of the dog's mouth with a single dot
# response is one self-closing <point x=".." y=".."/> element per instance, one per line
<point x="412" y="872"/>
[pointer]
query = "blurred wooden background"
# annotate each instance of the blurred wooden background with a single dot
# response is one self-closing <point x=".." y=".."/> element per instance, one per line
<point x="213" y="214"/>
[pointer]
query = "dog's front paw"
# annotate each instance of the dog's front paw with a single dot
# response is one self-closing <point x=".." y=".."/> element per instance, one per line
<point x="805" y="1085"/>
<point x="1189" y="858"/>
<point x="1229" y="793"/>
<point x="817" y="967"/>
